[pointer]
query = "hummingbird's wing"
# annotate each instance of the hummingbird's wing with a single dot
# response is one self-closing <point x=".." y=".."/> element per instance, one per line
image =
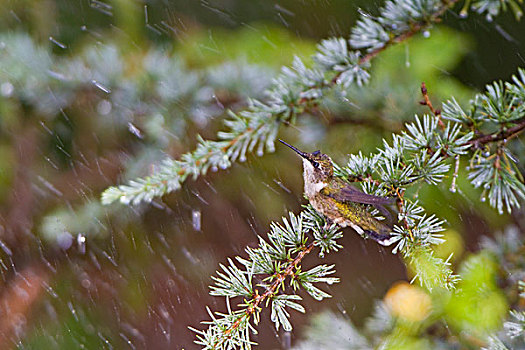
<point x="347" y="193"/>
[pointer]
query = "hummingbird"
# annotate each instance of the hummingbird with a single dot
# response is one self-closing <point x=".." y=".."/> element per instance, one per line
<point x="340" y="202"/>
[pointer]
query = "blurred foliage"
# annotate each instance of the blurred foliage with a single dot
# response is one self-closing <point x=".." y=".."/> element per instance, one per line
<point x="258" y="43"/>
<point x="87" y="98"/>
<point x="480" y="307"/>
<point x="73" y="332"/>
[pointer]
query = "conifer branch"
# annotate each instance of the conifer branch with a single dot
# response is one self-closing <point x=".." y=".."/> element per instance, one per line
<point x="275" y="261"/>
<point x="258" y="299"/>
<point x="421" y="154"/>
<point x="438" y="8"/>
<point x="294" y="91"/>
<point x="503" y="135"/>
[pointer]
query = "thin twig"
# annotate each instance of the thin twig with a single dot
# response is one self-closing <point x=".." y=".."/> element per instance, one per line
<point x="426" y="102"/>
<point x="498" y="136"/>
<point x="416" y="28"/>
<point x="270" y="291"/>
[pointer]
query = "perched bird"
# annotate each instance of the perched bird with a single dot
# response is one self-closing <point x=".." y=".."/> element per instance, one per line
<point x="337" y="200"/>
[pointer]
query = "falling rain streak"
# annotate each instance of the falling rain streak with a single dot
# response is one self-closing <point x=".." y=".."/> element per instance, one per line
<point x="176" y="104"/>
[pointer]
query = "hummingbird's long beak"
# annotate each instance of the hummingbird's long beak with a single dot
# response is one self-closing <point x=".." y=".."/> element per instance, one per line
<point x="302" y="154"/>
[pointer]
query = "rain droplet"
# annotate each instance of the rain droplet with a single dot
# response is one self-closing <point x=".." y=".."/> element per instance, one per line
<point x="100" y="86"/>
<point x="57" y="43"/>
<point x="225" y="162"/>
<point x="6" y="89"/>
<point x="104" y="107"/>
<point x="407" y="56"/>
<point x="81" y="242"/>
<point x="64" y="240"/>
<point x="86" y="283"/>
<point x="196" y="219"/>
<point x="72" y="309"/>
<point x="5" y="248"/>
<point x="134" y="130"/>
<point x="56" y="75"/>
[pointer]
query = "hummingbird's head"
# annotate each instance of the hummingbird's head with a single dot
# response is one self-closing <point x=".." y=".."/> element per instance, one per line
<point x="317" y="166"/>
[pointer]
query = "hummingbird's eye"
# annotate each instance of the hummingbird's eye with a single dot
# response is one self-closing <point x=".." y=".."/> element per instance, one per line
<point x="315" y="164"/>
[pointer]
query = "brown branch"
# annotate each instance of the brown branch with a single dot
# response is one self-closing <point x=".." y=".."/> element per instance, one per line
<point x="416" y="28"/>
<point x="396" y="40"/>
<point x="287" y="272"/>
<point x="498" y="136"/>
<point x="271" y="290"/>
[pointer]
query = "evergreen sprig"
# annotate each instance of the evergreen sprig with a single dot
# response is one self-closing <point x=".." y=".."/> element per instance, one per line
<point x="249" y="129"/>
<point x="338" y="63"/>
<point x="492" y="8"/>
<point x="423" y="153"/>
<point x="276" y="262"/>
<point x="516" y="327"/>
<point x="492" y="166"/>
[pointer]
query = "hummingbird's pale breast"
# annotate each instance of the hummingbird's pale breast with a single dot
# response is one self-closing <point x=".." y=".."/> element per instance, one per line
<point x="312" y="183"/>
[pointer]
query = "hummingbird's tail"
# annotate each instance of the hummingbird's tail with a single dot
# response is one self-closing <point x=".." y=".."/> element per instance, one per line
<point x="381" y="238"/>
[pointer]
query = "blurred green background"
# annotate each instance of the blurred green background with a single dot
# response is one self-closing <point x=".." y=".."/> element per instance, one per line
<point x="96" y="92"/>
